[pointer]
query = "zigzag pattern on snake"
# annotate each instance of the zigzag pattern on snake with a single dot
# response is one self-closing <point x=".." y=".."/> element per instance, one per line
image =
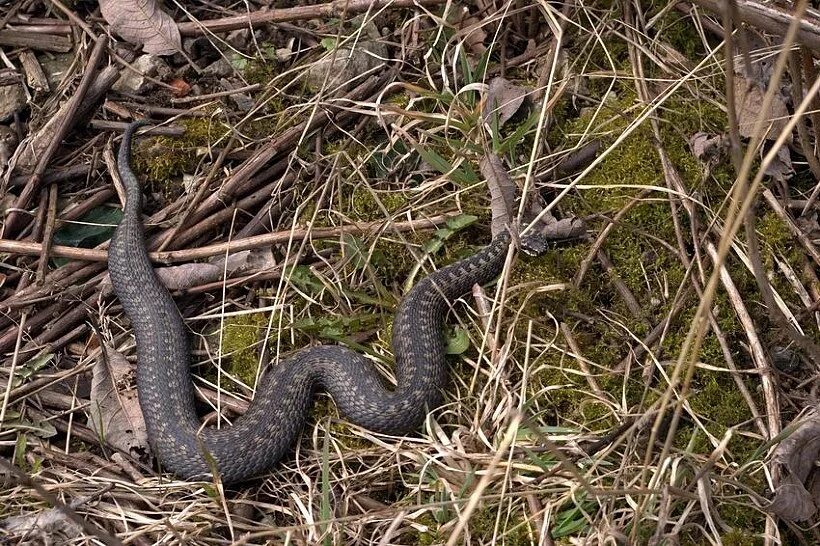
<point x="259" y="438"/>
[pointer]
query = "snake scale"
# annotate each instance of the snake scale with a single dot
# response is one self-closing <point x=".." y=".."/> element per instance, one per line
<point x="259" y="438"/>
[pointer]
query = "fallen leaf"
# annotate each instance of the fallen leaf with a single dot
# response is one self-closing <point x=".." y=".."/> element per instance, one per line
<point x="571" y="227"/>
<point x="760" y="57"/>
<point x="181" y="277"/>
<point x="749" y="105"/>
<point x="809" y="225"/>
<point x="502" y="192"/>
<point x="706" y="146"/>
<point x="781" y="167"/>
<point x="797" y="496"/>
<point x="115" y="413"/>
<point x="579" y="158"/>
<point x="142" y="22"/>
<point x="503" y="99"/>
<point x="475" y="35"/>
<point x="180" y="87"/>
<point x="46" y="527"/>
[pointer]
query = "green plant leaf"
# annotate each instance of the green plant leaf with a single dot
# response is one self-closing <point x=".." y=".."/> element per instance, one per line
<point x="460" y="222"/>
<point x="354" y="249"/>
<point x="304" y="279"/>
<point x="458" y="342"/>
<point x="93" y="228"/>
<point x="30" y="368"/>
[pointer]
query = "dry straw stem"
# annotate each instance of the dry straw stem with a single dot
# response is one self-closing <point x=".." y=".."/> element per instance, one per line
<point x="248" y="243"/>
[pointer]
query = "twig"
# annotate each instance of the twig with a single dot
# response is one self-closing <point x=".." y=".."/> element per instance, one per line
<point x="318" y="11"/>
<point x="13" y="220"/>
<point x="778" y="209"/>
<point x="756" y="348"/>
<point x="773" y="19"/>
<point x="96" y="255"/>
<point x="795" y="67"/>
<point x="48" y="233"/>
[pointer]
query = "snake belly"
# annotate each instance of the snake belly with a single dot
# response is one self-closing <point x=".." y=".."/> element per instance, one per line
<point x="260" y="437"/>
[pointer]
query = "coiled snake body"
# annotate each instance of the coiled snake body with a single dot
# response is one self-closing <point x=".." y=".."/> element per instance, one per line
<point x="260" y="437"/>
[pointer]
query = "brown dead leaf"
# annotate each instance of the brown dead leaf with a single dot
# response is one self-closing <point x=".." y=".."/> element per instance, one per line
<point x="797" y="497"/>
<point x="579" y="158"/>
<point x="180" y="88"/>
<point x="568" y="228"/>
<point x="475" y="35"/>
<point x="706" y="146"/>
<point x="808" y="224"/>
<point x="503" y="99"/>
<point x="42" y="528"/>
<point x="182" y="277"/>
<point x="781" y="167"/>
<point x="502" y="192"/>
<point x="115" y="413"/>
<point x="503" y="204"/>
<point x="749" y="104"/>
<point x="142" y="22"/>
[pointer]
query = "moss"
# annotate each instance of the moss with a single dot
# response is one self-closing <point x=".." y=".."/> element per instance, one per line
<point x="425" y="538"/>
<point x="240" y="341"/>
<point x="748" y="524"/>
<point x="774" y="232"/>
<point x="716" y="397"/>
<point x="515" y="531"/>
<point x="369" y="205"/>
<point x="482" y="527"/>
<point x="259" y="71"/>
<point x="650" y="270"/>
<point x="739" y="537"/>
<point x="678" y="30"/>
<point x="339" y="428"/>
<point x="267" y="127"/>
<point x="163" y="159"/>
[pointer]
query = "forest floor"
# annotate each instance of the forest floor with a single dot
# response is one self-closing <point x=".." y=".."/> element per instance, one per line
<point x="652" y="381"/>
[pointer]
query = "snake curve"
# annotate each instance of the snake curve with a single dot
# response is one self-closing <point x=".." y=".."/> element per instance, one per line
<point x="264" y="434"/>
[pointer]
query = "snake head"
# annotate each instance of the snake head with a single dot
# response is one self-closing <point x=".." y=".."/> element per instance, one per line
<point x="537" y="236"/>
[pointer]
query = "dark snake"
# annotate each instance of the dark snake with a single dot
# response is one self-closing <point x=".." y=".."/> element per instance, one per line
<point x="260" y="437"/>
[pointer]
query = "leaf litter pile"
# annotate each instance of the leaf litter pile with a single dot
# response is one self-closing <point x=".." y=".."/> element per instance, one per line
<point x="653" y="382"/>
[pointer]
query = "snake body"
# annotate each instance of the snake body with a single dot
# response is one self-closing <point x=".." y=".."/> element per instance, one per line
<point x="259" y="438"/>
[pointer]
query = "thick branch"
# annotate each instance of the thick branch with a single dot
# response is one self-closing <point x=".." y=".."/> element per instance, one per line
<point x="772" y="19"/>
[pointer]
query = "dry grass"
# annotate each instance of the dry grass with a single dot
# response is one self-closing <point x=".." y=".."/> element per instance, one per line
<point x="573" y="416"/>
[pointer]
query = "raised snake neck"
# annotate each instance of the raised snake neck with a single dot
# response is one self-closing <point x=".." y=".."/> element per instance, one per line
<point x="259" y="438"/>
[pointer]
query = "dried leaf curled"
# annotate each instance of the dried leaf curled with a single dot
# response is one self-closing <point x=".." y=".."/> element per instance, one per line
<point x="502" y="192"/>
<point x="503" y="100"/>
<point x="142" y="22"/>
<point x="781" y="168"/>
<point x="706" y="146"/>
<point x="475" y="34"/>
<point x="45" y="527"/>
<point x="182" y="277"/>
<point x="797" y="497"/>
<point x="749" y="105"/>
<point x="115" y="412"/>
